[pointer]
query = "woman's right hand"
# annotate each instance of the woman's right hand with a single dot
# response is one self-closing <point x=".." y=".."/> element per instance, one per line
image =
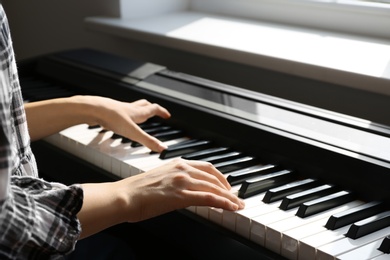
<point x="175" y="185"/>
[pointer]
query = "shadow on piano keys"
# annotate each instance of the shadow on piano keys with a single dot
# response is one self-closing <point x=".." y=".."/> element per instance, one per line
<point x="304" y="199"/>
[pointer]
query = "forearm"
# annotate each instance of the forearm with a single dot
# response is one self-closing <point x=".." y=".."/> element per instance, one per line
<point x="102" y="207"/>
<point x="51" y="116"/>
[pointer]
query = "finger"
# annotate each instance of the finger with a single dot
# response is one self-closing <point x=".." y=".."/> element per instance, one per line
<point x="157" y="110"/>
<point x="149" y="141"/>
<point x="141" y="102"/>
<point x="223" y="201"/>
<point x="202" y="185"/>
<point x="191" y="182"/>
<point x="210" y="169"/>
<point x="135" y="133"/>
<point x="203" y="175"/>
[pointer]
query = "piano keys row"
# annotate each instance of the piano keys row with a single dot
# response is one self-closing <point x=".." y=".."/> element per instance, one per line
<point x="297" y="218"/>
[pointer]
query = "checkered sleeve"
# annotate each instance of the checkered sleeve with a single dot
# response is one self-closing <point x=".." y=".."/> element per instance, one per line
<point x="38" y="219"/>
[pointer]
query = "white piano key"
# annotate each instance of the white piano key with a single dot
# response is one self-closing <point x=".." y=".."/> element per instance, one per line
<point x="364" y="252"/>
<point x="192" y="209"/>
<point x="141" y="160"/>
<point x="115" y="150"/>
<point x="129" y="161"/>
<point x="66" y="138"/>
<point x="74" y="131"/>
<point x="215" y="215"/>
<point x="88" y="141"/>
<point x="308" y="245"/>
<point x="292" y="237"/>
<point x="342" y="246"/>
<point x="110" y="154"/>
<point x="80" y="141"/>
<point x="244" y="217"/>
<point x="229" y="218"/>
<point x="104" y="153"/>
<point x="276" y="230"/>
<point x="259" y="224"/>
<point x="202" y="211"/>
<point x="382" y="257"/>
<point x="54" y="139"/>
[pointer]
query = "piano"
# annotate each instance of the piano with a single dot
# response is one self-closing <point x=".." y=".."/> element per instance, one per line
<point x="315" y="182"/>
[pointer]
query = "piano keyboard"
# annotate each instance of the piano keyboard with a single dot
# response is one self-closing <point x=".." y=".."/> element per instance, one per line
<point x="287" y="212"/>
<point x="296" y="218"/>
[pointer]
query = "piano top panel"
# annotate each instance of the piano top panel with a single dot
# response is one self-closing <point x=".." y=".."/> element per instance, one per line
<point x="354" y="137"/>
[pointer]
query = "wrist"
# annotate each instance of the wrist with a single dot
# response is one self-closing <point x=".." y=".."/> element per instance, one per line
<point x="104" y="205"/>
<point x="85" y="109"/>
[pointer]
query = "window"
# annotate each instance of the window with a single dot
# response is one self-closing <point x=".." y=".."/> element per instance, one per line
<point x="362" y="17"/>
<point x="270" y="34"/>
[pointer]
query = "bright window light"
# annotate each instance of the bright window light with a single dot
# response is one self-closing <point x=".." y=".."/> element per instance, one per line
<point x="369" y="18"/>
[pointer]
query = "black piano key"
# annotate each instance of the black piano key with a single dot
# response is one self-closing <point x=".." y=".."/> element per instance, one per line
<point x="260" y="184"/>
<point x="94" y="126"/>
<point x="319" y="205"/>
<point x="236" y="164"/>
<point x="157" y="129"/>
<point x="206" y="153"/>
<point x="126" y="140"/>
<point x="184" y="142"/>
<point x="355" y="214"/>
<point x="150" y="124"/>
<point x="385" y="245"/>
<point x="151" y="128"/>
<point x="296" y="199"/>
<point x="239" y="176"/>
<point x="116" y="136"/>
<point x="135" y="144"/>
<point x="183" y="149"/>
<point x="164" y="136"/>
<point x="279" y="193"/>
<point x="169" y="135"/>
<point x="369" y="225"/>
<point x="215" y="159"/>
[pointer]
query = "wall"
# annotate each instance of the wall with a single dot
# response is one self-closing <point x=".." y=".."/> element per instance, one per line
<point x="43" y="26"/>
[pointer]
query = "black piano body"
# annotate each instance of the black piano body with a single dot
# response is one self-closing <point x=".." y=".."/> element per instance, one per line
<point x="225" y="114"/>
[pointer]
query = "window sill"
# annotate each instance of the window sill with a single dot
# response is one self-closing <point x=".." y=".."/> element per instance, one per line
<point x="357" y="62"/>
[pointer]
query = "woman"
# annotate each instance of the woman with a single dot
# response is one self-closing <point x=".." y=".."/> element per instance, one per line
<point x="39" y="219"/>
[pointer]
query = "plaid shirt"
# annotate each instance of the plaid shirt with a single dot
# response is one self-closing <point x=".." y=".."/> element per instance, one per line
<point x="37" y="218"/>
